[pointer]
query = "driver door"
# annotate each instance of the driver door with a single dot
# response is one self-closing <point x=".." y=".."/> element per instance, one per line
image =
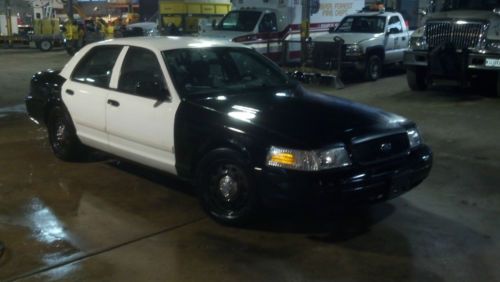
<point x="140" y="124"/>
<point x="394" y="47"/>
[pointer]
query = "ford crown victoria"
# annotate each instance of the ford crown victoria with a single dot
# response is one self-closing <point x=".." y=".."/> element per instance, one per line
<point x="228" y="120"/>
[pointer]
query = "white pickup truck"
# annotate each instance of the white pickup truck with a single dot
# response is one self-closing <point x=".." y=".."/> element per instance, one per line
<point x="370" y="41"/>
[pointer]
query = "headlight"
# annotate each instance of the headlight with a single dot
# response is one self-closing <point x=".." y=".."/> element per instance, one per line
<point x="308" y="160"/>
<point x="493" y="45"/>
<point x="414" y="137"/>
<point x="418" y="43"/>
<point x="353" y="50"/>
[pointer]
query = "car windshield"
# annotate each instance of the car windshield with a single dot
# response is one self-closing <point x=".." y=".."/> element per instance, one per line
<point x="448" y="5"/>
<point x="239" y="21"/>
<point x="365" y="24"/>
<point x="205" y="71"/>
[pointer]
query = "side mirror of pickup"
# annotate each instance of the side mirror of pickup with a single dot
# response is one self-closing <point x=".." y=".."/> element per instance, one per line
<point x="331" y="29"/>
<point x="393" y="31"/>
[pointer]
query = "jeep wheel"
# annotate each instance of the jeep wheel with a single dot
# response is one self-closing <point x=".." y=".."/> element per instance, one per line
<point x="62" y="135"/>
<point x="416" y="78"/>
<point x="226" y="187"/>
<point x="373" y="68"/>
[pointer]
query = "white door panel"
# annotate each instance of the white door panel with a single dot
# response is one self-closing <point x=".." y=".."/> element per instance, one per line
<point x="142" y="129"/>
<point x="139" y="127"/>
<point x="87" y="107"/>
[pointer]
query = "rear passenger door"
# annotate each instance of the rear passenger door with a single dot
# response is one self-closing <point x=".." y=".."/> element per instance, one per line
<point x="86" y="92"/>
<point x="140" y="112"/>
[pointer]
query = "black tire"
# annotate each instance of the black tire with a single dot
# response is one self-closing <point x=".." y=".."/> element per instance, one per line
<point x="373" y="69"/>
<point x="45" y="45"/>
<point x="417" y="79"/>
<point x="226" y="187"/>
<point x="62" y="135"/>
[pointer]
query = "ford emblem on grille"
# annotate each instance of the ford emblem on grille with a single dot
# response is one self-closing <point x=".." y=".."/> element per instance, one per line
<point x="386" y="147"/>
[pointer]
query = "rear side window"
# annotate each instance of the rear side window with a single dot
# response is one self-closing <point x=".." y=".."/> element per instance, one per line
<point x="97" y="66"/>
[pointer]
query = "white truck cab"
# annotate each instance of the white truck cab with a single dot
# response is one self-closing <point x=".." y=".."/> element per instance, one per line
<point x="265" y="25"/>
<point x="371" y="40"/>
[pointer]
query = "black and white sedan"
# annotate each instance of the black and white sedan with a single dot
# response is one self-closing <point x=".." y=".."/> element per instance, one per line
<point x="227" y="119"/>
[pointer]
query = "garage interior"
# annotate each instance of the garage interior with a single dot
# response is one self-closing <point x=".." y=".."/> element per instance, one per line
<point x="104" y="219"/>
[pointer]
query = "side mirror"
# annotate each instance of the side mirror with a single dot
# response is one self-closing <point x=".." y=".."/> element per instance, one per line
<point x="152" y="89"/>
<point x="394" y="31"/>
<point x="331" y="29"/>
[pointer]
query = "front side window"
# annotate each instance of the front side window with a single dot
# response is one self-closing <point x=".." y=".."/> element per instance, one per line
<point x="367" y="24"/>
<point x="395" y="23"/>
<point x="268" y="23"/>
<point x="96" y="67"/>
<point x="240" y="21"/>
<point x="140" y="66"/>
<point x="205" y="71"/>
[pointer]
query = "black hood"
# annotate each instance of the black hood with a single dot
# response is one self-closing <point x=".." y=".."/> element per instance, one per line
<point x="310" y="119"/>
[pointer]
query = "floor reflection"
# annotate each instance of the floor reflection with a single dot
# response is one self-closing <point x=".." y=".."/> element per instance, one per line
<point x="45" y="225"/>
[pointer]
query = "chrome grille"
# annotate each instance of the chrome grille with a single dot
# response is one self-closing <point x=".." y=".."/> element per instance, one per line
<point x="461" y="35"/>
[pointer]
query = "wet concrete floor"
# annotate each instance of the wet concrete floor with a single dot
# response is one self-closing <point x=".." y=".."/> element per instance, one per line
<point x="106" y="220"/>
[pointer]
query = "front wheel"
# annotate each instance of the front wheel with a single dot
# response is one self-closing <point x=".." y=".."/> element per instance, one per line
<point x="62" y="135"/>
<point x="226" y="187"/>
<point x="416" y="78"/>
<point x="373" y="68"/>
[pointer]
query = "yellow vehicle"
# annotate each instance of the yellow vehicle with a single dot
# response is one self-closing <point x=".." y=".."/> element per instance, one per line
<point x="47" y="34"/>
<point x="187" y="16"/>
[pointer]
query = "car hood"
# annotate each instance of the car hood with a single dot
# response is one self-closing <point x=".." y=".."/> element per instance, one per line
<point x="309" y="119"/>
<point x="465" y="15"/>
<point x="350" y="38"/>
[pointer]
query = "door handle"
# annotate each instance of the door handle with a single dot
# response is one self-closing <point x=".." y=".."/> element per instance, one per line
<point x="113" y="103"/>
<point x="70" y="92"/>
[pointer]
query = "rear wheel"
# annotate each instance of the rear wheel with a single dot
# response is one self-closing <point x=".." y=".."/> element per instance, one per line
<point x="62" y="135"/>
<point x="373" y="68"/>
<point x="226" y="187"/>
<point x="45" y="45"/>
<point x="416" y="78"/>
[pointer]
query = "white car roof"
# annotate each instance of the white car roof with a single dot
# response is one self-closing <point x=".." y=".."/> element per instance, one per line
<point x="163" y="43"/>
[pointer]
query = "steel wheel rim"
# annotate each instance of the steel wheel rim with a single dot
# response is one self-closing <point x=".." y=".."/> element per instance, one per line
<point x="60" y="135"/>
<point x="228" y="190"/>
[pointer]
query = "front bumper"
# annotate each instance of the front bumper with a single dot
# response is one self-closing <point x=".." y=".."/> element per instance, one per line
<point x="354" y="64"/>
<point x="473" y="61"/>
<point x="346" y="186"/>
